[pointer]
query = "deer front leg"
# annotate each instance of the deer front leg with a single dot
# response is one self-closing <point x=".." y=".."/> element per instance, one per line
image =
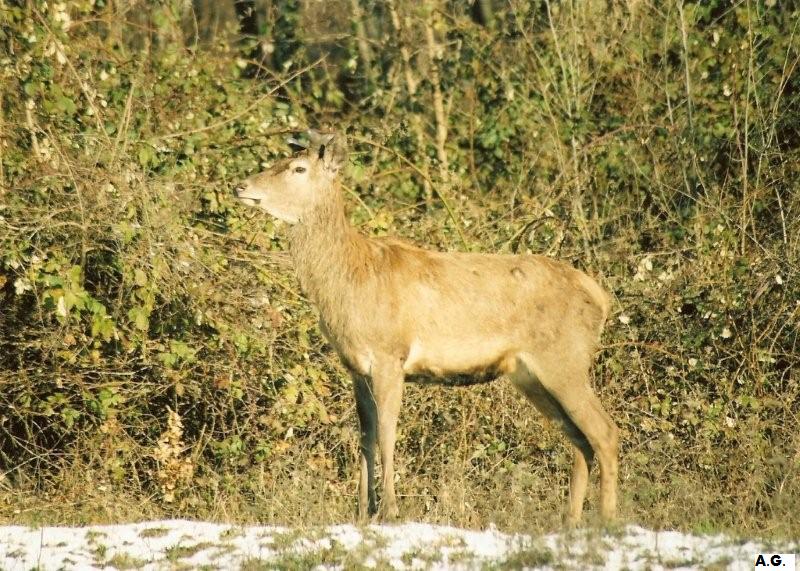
<point x="387" y="390"/>
<point x="368" y="427"/>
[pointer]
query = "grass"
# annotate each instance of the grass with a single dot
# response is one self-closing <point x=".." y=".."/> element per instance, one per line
<point x="181" y="551"/>
<point x="124" y="561"/>
<point x="527" y="557"/>
<point x="100" y="552"/>
<point x="425" y="556"/>
<point x="293" y="557"/>
<point x="152" y="532"/>
<point x="93" y="535"/>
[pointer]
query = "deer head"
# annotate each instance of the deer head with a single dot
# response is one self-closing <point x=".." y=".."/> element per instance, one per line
<point x="293" y="188"/>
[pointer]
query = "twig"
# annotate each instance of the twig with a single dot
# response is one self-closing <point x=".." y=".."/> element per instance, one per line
<point x="81" y="205"/>
<point x="32" y="128"/>
<point x="246" y="110"/>
<point x="438" y="102"/>
<point x="416" y="169"/>
<point x="411" y="83"/>
<point x="355" y="195"/>
<point x="411" y="88"/>
<point x="685" y="41"/>
<point x="84" y="88"/>
<point x="361" y="39"/>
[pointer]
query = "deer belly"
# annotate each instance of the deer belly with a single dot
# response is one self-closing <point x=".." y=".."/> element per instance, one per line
<point x="444" y="357"/>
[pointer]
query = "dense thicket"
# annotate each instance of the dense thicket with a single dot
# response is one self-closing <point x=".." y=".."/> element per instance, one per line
<point x="156" y="355"/>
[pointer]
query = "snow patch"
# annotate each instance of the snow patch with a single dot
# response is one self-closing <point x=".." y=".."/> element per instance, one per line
<point x="192" y="544"/>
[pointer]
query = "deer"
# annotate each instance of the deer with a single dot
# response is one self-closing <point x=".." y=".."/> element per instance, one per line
<point x="396" y="313"/>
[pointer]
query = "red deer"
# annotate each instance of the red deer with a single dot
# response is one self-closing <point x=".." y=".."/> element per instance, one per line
<point x="395" y="312"/>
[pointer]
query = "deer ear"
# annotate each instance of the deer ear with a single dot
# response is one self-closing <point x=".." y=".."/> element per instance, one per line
<point x="333" y="153"/>
<point x="296" y="144"/>
<point x="317" y="139"/>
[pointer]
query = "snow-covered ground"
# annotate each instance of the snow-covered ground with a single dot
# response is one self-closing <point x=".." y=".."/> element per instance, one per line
<point x="192" y="545"/>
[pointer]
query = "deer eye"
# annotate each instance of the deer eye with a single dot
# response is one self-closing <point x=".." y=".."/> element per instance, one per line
<point x="299" y="169"/>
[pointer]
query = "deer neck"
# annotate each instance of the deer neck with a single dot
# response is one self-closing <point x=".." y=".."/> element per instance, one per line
<point x="329" y="255"/>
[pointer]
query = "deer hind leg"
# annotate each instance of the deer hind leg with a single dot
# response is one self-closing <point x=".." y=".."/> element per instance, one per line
<point x="368" y="427"/>
<point x="562" y="391"/>
<point x="532" y="388"/>
<point x="387" y="391"/>
<point x="579" y="481"/>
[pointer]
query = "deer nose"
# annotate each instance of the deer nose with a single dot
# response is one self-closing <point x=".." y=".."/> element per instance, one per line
<point x="238" y="189"/>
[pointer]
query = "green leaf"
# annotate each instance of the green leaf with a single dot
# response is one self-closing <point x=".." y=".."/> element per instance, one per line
<point x="140" y="317"/>
<point x="65" y="104"/>
<point x="103" y="326"/>
<point x="146" y="156"/>
<point x="140" y="278"/>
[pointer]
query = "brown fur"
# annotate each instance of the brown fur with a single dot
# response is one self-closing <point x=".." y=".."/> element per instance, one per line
<point x="393" y="310"/>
